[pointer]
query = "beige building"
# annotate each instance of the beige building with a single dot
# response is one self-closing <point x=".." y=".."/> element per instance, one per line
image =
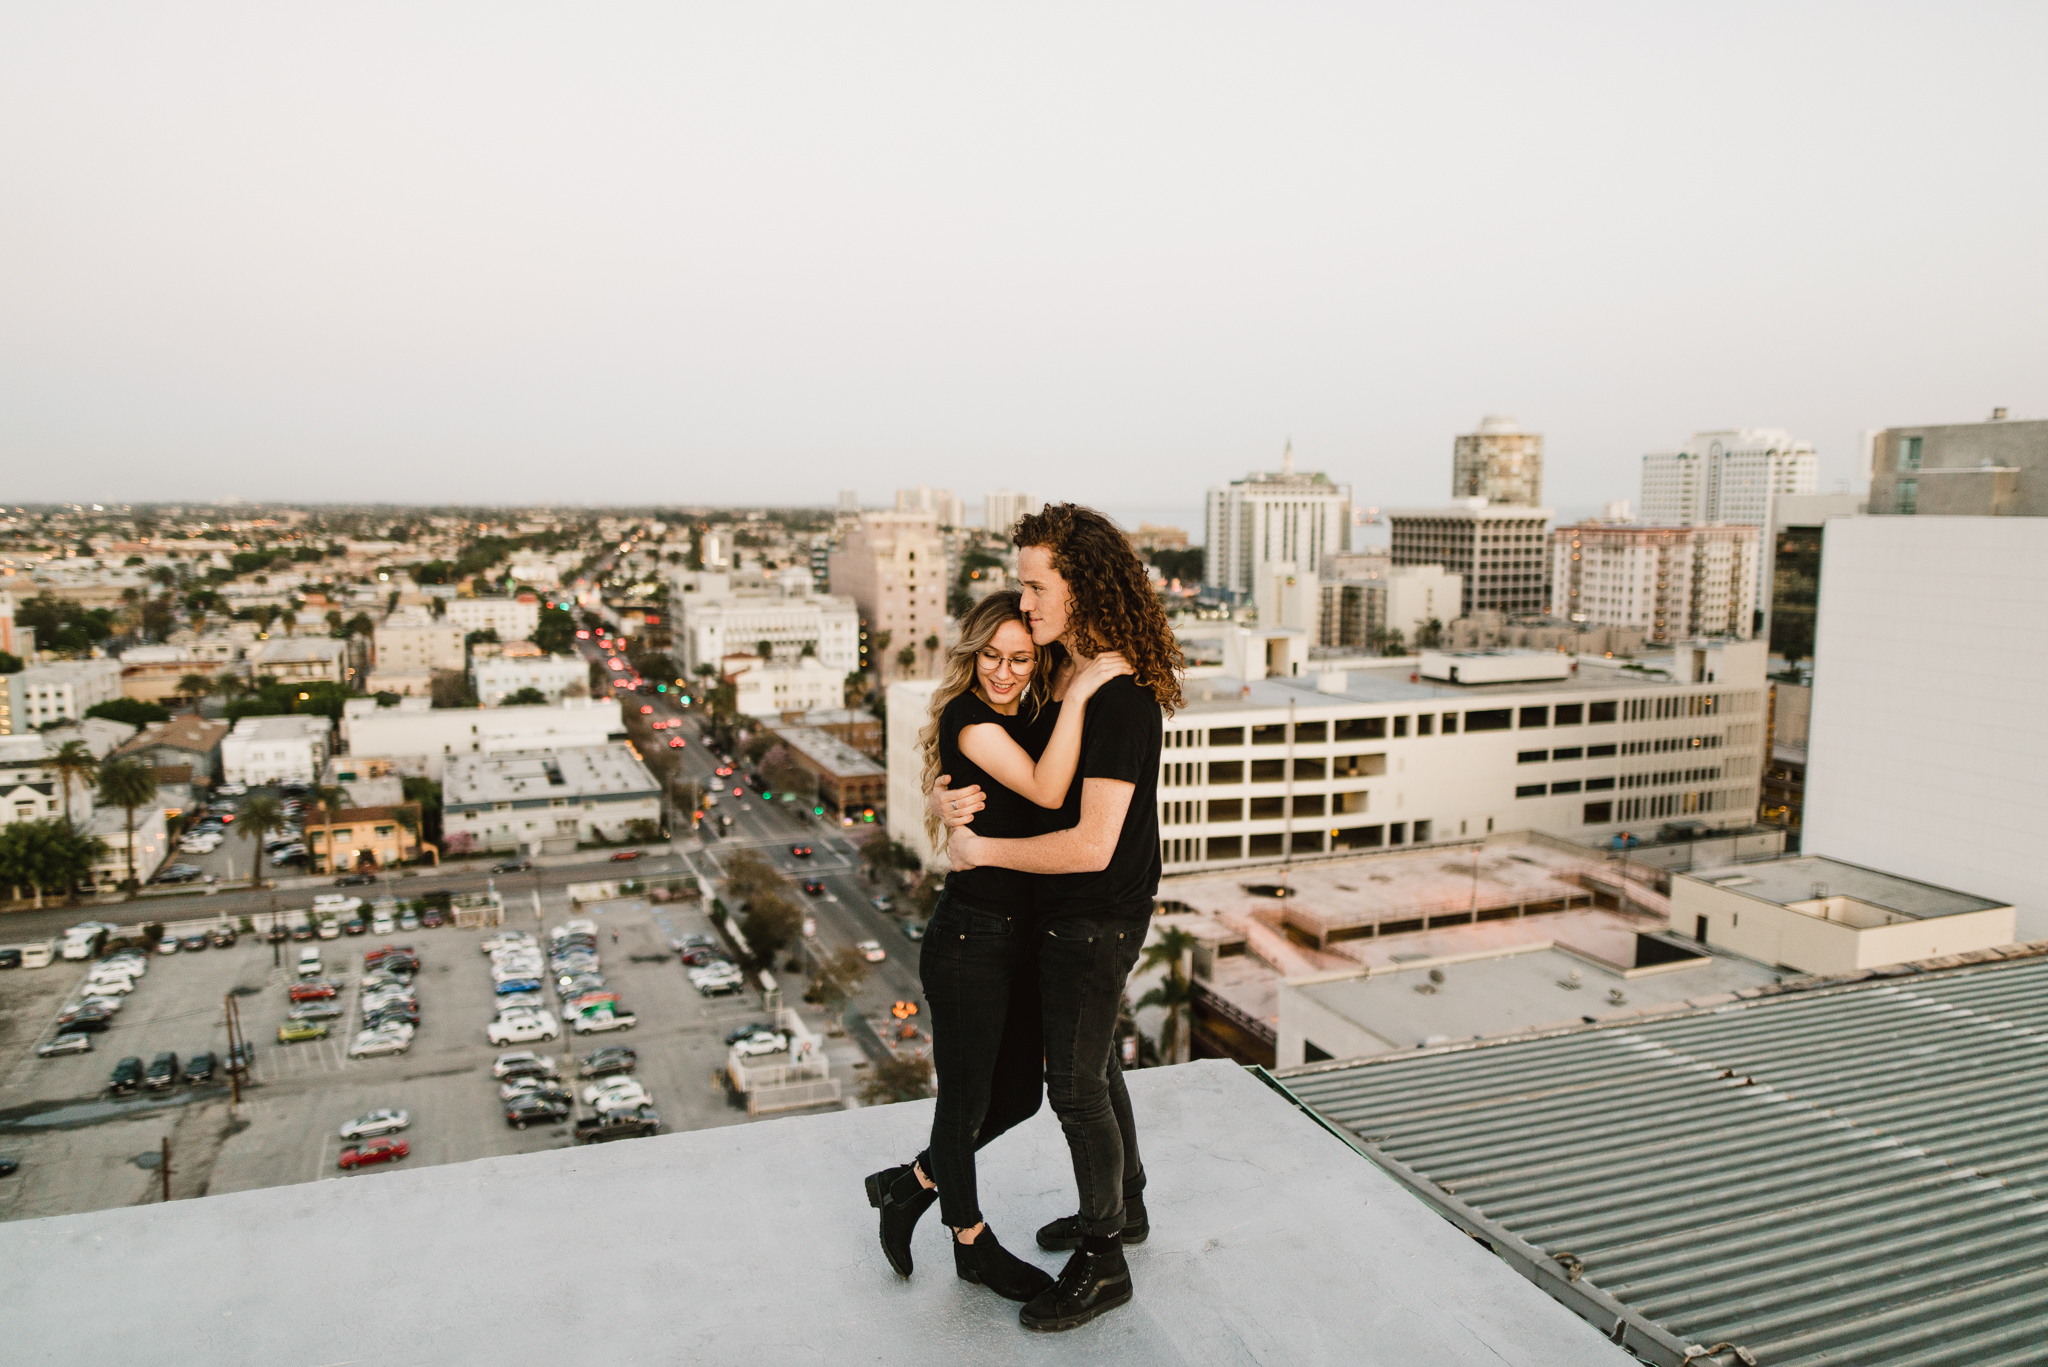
<point x="1820" y="915"/>
<point x="893" y="566"/>
<point x="302" y="659"/>
<point x="1675" y="583"/>
<point x="413" y="643"/>
<point x="1499" y="463"/>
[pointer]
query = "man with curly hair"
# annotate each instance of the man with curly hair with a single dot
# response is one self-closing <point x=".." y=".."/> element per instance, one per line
<point x="1085" y="588"/>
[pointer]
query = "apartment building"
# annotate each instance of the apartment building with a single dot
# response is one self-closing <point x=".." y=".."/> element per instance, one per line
<point x="1501" y="552"/>
<point x="276" y="749"/>
<point x="768" y="689"/>
<point x="893" y="567"/>
<point x="1672" y="583"/>
<point x="1726" y="476"/>
<point x="1272" y="516"/>
<point x="1499" y="463"/>
<point x="1355" y="611"/>
<point x="302" y="659"/>
<point x="42" y="694"/>
<point x="496" y="678"/>
<point x="1973" y="469"/>
<point x="1000" y="510"/>
<point x="1445" y="748"/>
<point x="413" y="642"/>
<point x="512" y="618"/>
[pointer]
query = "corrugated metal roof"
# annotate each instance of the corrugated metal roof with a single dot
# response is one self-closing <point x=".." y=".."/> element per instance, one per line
<point x="1845" y="1175"/>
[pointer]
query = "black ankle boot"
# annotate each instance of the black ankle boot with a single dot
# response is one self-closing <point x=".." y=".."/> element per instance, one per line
<point x="1095" y="1280"/>
<point x="987" y="1263"/>
<point x="902" y="1199"/>
<point x="1065" y="1232"/>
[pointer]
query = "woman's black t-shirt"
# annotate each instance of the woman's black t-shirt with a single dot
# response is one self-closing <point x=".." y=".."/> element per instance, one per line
<point x="1007" y="815"/>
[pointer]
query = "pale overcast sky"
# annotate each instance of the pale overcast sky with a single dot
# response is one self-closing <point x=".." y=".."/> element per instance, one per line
<point x="761" y="252"/>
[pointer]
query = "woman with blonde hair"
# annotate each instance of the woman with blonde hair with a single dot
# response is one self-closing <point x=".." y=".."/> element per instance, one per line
<point x="992" y="724"/>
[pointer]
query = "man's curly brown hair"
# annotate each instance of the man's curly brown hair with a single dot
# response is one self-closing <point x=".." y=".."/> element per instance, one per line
<point x="1112" y="605"/>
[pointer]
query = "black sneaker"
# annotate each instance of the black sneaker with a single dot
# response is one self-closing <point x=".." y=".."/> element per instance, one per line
<point x="1095" y="1280"/>
<point x="902" y="1199"/>
<point x="1065" y="1233"/>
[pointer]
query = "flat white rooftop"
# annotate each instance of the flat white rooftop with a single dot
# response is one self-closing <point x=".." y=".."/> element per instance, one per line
<point x="1272" y="1242"/>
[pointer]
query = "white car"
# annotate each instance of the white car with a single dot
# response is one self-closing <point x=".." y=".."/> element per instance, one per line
<point x="505" y="939"/>
<point x="107" y="1004"/>
<point x="523" y="1029"/>
<point x="592" y="1022"/>
<point x="336" y="903"/>
<point x="167" y="945"/>
<point x="616" y="1091"/>
<point x="384" y="923"/>
<point x="521" y="1059"/>
<point x="110" y="984"/>
<point x="767" y="1042"/>
<point x="872" y="951"/>
<point x="371" y="1043"/>
<point x="579" y="927"/>
<point x="386" y="1121"/>
<point x="200" y="844"/>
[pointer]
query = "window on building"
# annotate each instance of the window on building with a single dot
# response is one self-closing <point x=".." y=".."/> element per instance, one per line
<point x="1425" y="724"/>
<point x="1359" y="838"/>
<point x="1907" y="496"/>
<point x="1310" y="732"/>
<point x="1269" y="771"/>
<point x="1535" y="716"/>
<point x="1226" y="809"/>
<point x="1600" y="711"/>
<point x="1532" y="757"/>
<point x="1226" y="771"/>
<point x="1492" y="719"/>
<point x="1349" y="803"/>
<point x="1269" y="735"/>
<point x="1362" y="728"/>
<point x="1531" y="790"/>
<point x="1568" y="752"/>
<point x="1909" y="453"/>
<point x="1311" y="1053"/>
<point x="1268" y="808"/>
<point x="1569" y="714"/>
<point x="1400" y="727"/>
<point x="1308" y="769"/>
<point x="1226" y="847"/>
<point x="1422" y="829"/>
<point x="1308" y="804"/>
<point x="1267" y="846"/>
<point x="1599" y="813"/>
<point x="1599" y="751"/>
<point x="1397" y="834"/>
<point x="1227" y="735"/>
<point x="1450" y="723"/>
<point x="1570" y="785"/>
<point x="1595" y="785"/>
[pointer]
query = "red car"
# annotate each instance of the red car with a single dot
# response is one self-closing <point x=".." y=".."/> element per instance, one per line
<point x="624" y="855"/>
<point x="800" y="851"/>
<point x="675" y="742"/>
<point x="378" y="956"/>
<point x="723" y="771"/>
<point x="376" y="1151"/>
<point x="645" y="710"/>
<point x="314" y="991"/>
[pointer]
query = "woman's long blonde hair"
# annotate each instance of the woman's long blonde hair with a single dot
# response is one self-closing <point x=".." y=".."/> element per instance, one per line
<point x="977" y="628"/>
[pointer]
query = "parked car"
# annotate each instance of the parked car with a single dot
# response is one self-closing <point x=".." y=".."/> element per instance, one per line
<point x="383" y="923"/>
<point x="523" y="1063"/>
<point x="355" y="925"/>
<point x="871" y="950"/>
<point x="199" y="1068"/>
<point x="523" y="1029"/>
<point x="621" y="1124"/>
<point x="535" y="1110"/>
<point x="298" y="1032"/>
<point x="126" y="1077"/>
<point x="74" y="1043"/>
<point x="513" y="866"/>
<point x="626" y="856"/>
<point x="316" y="990"/>
<point x="615" y="1091"/>
<point x="355" y="880"/>
<point x="109" y="984"/>
<point x="316" y="1011"/>
<point x="374" y="1043"/>
<point x="596" y="1022"/>
<point x="167" y="945"/>
<point x="913" y="930"/>
<point x="84" y="1019"/>
<point x="609" y="1061"/>
<point x="163" y="1072"/>
<point x="223" y="937"/>
<point x="432" y="917"/>
<point x="385" y="1121"/>
<point x="759" y="1042"/>
<point x="376" y="1151"/>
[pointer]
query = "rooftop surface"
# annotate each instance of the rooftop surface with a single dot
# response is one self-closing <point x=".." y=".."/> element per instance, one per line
<point x="1532" y="989"/>
<point x="1801" y="878"/>
<point x="523" y="775"/>
<point x="1828" y="1173"/>
<point x="1379" y="685"/>
<point x="1271" y="1243"/>
<point x="829" y="752"/>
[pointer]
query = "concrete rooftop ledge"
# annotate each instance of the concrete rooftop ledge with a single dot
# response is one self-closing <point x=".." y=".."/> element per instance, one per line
<point x="1272" y="1242"/>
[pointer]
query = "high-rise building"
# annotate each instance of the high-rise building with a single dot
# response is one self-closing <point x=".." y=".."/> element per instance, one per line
<point x="849" y="500"/>
<point x="1502" y="553"/>
<point x="1973" y="469"/>
<point x="1791" y="570"/>
<point x="1000" y="510"/>
<point x="1499" y="463"/>
<point x="1674" y="583"/>
<point x="1270" y="516"/>
<point x="1727" y="476"/>
<point x="893" y="566"/>
<point x="943" y="505"/>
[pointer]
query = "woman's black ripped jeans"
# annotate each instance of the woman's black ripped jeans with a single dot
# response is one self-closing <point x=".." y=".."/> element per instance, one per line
<point x="980" y="975"/>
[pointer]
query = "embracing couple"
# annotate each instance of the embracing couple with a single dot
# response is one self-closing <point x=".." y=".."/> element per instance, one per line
<point x="1041" y="761"/>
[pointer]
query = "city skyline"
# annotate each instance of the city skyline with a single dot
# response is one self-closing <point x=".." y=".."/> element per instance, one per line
<point x="717" y="261"/>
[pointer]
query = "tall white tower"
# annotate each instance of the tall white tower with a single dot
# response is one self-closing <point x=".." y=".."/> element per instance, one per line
<point x="1269" y="516"/>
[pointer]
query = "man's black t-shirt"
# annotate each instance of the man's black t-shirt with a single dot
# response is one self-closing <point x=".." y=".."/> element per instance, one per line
<point x="1120" y="740"/>
<point x="1007" y="815"/>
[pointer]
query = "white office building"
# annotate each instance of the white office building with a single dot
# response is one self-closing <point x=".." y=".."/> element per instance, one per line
<point x="151" y="840"/>
<point x="41" y="694"/>
<point x="769" y="689"/>
<point x="556" y="676"/>
<point x="1273" y="516"/>
<point x="1928" y="744"/>
<point x="715" y="617"/>
<point x="1256" y="769"/>
<point x="1001" y="509"/>
<point x="1500" y="552"/>
<point x="1673" y="583"/>
<point x="942" y="505"/>
<point x="415" y="730"/>
<point x="546" y="801"/>
<point x="1729" y="476"/>
<point x="512" y="618"/>
<point x="276" y="749"/>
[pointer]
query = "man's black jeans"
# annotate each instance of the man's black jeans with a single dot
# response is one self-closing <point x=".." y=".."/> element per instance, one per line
<point x="1083" y="964"/>
<point x="980" y="975"/>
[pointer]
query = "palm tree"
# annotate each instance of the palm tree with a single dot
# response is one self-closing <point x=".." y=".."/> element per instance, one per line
<point x="1174" y="991"/>
<point x="195" y="687"/>
<point x="128" y="784"/>
<point x="931" y="649"/>
<point x="73" y="763"/>
<point x="906" y="658"/>
<point x="261" y="817"/>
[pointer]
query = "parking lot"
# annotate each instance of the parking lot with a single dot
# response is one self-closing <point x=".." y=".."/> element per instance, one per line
<point x="79" y="1149"/>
